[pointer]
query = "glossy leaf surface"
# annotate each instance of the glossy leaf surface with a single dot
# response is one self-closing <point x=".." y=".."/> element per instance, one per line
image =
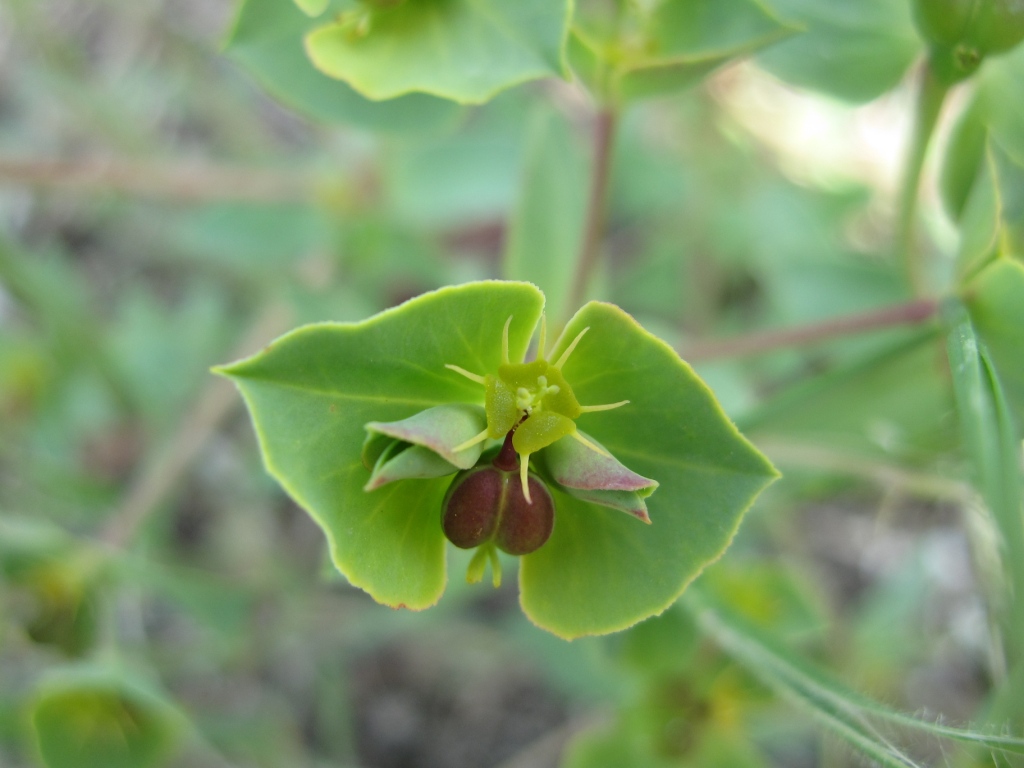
<point x="267" y="40"/>
<point x="602" y="570"/>
<point x="463" y="50"/>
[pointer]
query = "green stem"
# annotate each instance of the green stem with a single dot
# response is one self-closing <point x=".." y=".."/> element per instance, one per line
<point x="931" y="95"/>
<point x="593" y="233"/>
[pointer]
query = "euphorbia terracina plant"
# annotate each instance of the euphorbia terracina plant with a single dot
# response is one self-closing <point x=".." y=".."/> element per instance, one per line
<point x="389" y="432"/>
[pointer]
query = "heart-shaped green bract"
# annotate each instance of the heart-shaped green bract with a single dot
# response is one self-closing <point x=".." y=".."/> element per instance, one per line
<point x="267" y="39"/>
<point x="463" y="50"/>
<point x="312" y="391"/>
<point x="601" y="570"/>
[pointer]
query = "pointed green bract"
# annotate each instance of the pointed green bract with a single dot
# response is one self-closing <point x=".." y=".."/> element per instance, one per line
<point x="311" y="392"/>
<point x="463" y="50"/>
<point x="602" y="571"/>
<point x="402" y="461"/>
<point x="441" y="429"/>
<point x="597" y="477"/>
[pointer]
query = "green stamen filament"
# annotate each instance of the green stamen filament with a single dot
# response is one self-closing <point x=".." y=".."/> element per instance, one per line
<point x="607" y="407"/>
<point x="462" y="371"/>
<point x="504" y="341"/>
<point x="570" y="348"/>
<point x="471" y="442"/>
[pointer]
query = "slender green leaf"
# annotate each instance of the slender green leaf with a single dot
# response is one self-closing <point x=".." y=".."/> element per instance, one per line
<point x="991" y="440"/>
<point x="850" y="715"/>
<point x="463" y="50"/>
<point x="266" y="39"/>
<point x="853" y="50"/>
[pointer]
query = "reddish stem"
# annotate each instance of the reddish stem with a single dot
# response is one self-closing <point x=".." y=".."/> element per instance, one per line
<point x="770" y="341"/>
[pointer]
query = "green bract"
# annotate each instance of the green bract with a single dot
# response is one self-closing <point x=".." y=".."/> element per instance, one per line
<point x="463" y="50"/>
<point x="321" y="393"/>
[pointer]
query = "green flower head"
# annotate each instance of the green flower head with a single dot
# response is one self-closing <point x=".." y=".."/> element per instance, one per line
<point x="374" y="427"/>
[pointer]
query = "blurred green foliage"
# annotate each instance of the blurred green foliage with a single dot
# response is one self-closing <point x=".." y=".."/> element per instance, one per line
<point x="164" y="603"/>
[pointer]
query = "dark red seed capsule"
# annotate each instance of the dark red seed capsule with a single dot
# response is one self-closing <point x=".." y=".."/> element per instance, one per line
<point x="471" y="507"/>
<point x="486" y="503"/>
<point x="524" y="527"/>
